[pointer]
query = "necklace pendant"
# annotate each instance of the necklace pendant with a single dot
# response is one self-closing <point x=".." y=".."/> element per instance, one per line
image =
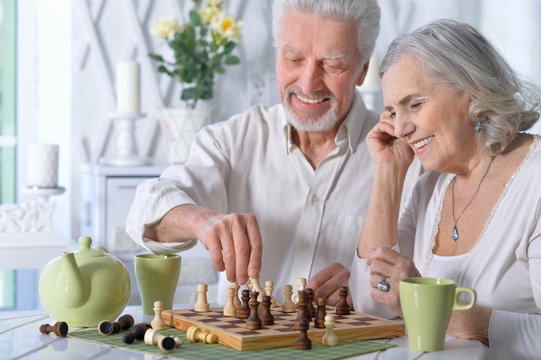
<point x="455" y="233"/>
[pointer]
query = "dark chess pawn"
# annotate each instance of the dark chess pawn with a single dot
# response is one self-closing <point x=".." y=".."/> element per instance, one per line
<point x="125" y="322"/>
<point x="59" y="329"/>
<point x="342" y="308"/>
<point x="319" y="320"/>
<point x="137" y="332"/>
<point x="266" y="317"/>
<point x="107" y="327"/>
<point x="244" y="310"/>
<point x="304" y="342"/>
<point x="253" y="322"/>
<point x="310" y="302"/>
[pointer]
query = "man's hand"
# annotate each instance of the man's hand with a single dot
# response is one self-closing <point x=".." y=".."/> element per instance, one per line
<point x="328" y="281"/>
<point x="233" y="240"/>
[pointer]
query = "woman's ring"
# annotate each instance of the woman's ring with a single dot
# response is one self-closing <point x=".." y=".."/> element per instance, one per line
<point x="383" y="285"/>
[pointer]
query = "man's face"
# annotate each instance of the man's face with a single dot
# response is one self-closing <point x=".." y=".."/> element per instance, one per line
<point x="318" y="66"/>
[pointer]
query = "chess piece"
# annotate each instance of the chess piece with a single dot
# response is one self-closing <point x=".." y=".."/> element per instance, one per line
<point x="60" y="328"/>
<point x="202" y="305"/>
<point x="108" y="328"/>
<point x="236" y="300"/>
<point x="136" y="332"/>
<point x="310" y="303"/>
<point x="253" y="322"/>
<point x="319" y="321"/>
<point x="330" y="337"/>
<point x="244" y="311"/>
<point x="257" y="287"/>
<point x="269" y="287"/>
<point x="165" y="343"/>
<point x="288" y="306"/>
<point x="266" y="317"/>
<point x="195" y="334"/>
<point x="157" y="323"/>
<point x="125" y="322"/>
<point x="301" y="285"/>
<point x="302" y="310"/>
<point x="304" y="342"/>
<point x="342" y="308"/>
<point x="230" y="309"/>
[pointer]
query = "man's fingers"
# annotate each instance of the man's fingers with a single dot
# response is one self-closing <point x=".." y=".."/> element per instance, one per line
<point x="242" y="248"/>
<point x="256" y="246"/>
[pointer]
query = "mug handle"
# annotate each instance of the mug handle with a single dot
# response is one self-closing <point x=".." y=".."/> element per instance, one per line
<point x="457" y="305"/>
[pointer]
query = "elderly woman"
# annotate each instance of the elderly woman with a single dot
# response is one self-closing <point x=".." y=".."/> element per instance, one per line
<point x="451" y="100"/>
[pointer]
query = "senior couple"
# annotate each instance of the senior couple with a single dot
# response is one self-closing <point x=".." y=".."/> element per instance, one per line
<point x="312" y="187"/>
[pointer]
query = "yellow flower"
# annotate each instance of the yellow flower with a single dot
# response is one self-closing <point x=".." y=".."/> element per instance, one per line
<point x="209" y="13"/>
<point x="217" y="4"/>
<point x="227" y="27"/>
<point x="165" y="27"/>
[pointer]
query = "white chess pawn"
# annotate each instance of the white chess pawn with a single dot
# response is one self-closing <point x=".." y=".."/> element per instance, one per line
<point x="269" y="287"/>
<point x="230" y="309"/>
<point x="157" y="323"/>
<point x="257" y="287"/>
<point x="301" y="285"/>
<point x="236" y="300"/>
<point x="202" y="305"/>
<point x="166" y="343"/>
<point x="330" y="337"/>
<point x="288" y="306"/>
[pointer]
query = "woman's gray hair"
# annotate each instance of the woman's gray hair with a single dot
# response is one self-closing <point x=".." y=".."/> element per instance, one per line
<point x="458" y="56"/>
<point x="364" y="13"/>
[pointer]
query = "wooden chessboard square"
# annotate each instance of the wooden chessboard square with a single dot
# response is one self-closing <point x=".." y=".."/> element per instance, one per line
<point x="232" y="331"/>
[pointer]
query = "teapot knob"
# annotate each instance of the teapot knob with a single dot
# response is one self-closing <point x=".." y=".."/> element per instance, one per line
<point x="85" y="242"/>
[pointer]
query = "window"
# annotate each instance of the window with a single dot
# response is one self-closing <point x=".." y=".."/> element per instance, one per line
<point x="7" y="130"/>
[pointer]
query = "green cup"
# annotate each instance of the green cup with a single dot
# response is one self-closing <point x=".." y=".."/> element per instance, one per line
<point x="427" y="304"/>
<point x="157" y="277"/>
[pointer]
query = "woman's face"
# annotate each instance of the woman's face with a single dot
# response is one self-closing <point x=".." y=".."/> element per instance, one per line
<point x="430" y="117"/>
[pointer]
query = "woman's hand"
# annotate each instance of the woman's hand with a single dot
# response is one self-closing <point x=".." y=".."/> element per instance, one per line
<point x="387" y="264"/>
<point x="385" y="147"/>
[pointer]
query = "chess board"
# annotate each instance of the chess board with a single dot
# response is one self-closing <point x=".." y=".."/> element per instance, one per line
<point x="232" y="331"/>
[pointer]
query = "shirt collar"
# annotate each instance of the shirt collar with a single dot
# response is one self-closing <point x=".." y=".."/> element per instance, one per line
<point x="349" y="132"/>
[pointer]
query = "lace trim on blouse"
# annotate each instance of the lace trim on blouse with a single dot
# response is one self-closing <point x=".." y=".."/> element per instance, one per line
<point x="429" y="256"/>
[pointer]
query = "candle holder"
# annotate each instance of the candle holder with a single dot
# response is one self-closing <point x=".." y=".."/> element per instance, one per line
<point x="125" y="142"/>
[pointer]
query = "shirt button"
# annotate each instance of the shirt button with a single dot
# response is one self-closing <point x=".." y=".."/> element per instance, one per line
<point x="315" y="199"/>
<point x="305" y="244"/>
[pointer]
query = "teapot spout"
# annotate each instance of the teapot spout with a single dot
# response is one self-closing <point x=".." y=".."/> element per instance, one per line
<point x="72" y="286"/>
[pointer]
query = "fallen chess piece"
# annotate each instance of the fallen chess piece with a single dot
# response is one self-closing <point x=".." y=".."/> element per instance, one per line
<point x="137" y="332"/>
<point x="195" y="334"/>
<point x="125" y="322"/>
<point x="59" y="329"/>
<point x="165" y="343"/>
<point x="106" y="327"/>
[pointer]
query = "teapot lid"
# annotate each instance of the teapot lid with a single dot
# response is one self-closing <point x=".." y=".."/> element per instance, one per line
<point x="86" y="251"/>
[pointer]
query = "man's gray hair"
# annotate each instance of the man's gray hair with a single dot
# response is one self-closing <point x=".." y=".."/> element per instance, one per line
<point x="364" y="13"/>
<point x="458" y="56"/>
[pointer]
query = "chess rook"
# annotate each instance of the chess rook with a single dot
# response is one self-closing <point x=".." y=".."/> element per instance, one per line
<point x="244" y="311"/>
<point x="157" y="323"/>
<point x="202" y="305"/>
<point x="342" y="308"/>
<point x="195" y="334"/>
<point x="60" y="328"/>
<point x="288" y="306"/>
<point x="253" y="322"/>
<point x="321" y="312"/>
<point x="165" y="343"/>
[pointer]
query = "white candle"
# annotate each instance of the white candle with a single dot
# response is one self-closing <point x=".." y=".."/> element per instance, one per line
<point x="127" y="87"/>
<point x="372" y="76"/>
<point x="43" y="165"/>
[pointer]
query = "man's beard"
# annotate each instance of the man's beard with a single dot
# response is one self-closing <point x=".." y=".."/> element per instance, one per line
<point x="311" y="122"/>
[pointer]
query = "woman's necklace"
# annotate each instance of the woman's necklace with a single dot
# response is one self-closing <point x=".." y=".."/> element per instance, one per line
<point x="455" y="235"/>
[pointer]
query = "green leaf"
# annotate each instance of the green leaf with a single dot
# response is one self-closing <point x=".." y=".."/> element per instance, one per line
<point x="194" y="16"/>
<point x="188" y="93"/>
<point x="219" y="69"/>
<point x="164" y="70"/>
<point x="232" y="60"/>
<point x="229" y="47"/>
<point x="156" y="57"/>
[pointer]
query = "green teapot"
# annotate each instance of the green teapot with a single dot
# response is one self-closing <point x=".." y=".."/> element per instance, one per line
<point x="85" y="286"/>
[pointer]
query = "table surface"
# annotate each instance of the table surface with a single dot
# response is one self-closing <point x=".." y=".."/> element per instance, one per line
<point x="20" y="339"/>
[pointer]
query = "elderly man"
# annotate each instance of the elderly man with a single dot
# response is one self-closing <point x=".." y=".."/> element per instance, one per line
<point x="280" y="191"/>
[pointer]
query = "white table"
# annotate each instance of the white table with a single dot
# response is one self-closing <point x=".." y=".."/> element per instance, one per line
<point x="20" y="339"/>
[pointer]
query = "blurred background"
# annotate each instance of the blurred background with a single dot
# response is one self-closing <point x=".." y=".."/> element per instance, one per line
<point x="58" y="69"/>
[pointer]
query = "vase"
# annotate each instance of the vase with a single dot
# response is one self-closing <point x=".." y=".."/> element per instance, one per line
<point x="180" y="126"/>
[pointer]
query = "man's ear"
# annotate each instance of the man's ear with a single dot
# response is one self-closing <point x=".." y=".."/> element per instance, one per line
<point x="362" y="75"/>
